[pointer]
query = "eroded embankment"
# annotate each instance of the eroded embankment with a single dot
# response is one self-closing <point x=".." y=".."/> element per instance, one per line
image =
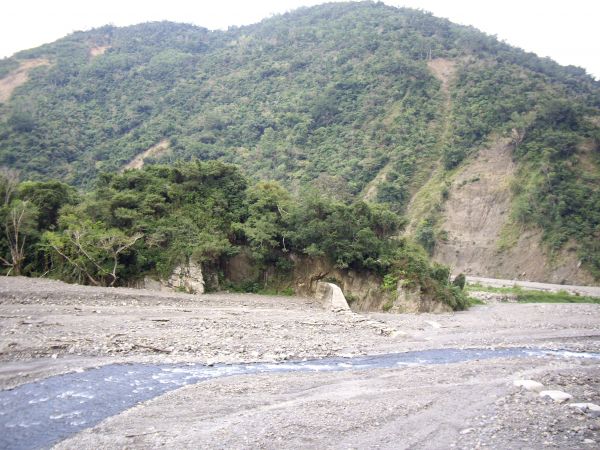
<point x="480" y="236"/>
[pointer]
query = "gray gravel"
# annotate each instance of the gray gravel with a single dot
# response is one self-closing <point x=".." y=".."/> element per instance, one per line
<point x="48" y="327"/>
<point x="592" y="291"/>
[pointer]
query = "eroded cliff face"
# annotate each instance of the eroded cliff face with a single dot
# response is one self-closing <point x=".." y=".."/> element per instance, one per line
<point x="363" y="290"/>
<point x="185" y="278"/>
<point x="310" y="277"/>
<point x="482" y="240"/>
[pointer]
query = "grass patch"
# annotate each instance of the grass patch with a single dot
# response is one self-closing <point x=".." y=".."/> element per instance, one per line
<point x="430" y="197"/>
<point x="472" y="301"/>
<point x="509" y="235"/>
<point x="388" y="305"/>
<point x="350" y="298"/>
<point x="554" y="297"/>
<point x="254" y="287"/>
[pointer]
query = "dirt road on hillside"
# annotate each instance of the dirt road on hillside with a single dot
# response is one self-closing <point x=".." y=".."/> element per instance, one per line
<point x="47" y="327"/>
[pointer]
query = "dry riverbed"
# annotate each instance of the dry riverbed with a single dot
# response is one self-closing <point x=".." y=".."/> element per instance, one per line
<point x="47" y="327"/>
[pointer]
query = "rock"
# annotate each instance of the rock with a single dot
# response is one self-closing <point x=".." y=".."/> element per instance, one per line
<point x="151" y="284"/>
<point x="467" y="431"/>
<point x="530" y="385"/>
<point x="187" y="277"/>
<point x="411" y="301"/>
<point x="589" y="441"/>
<point x="585" y="407"/>
<point x="557" y="396"/>
<point x="433" y="324"/>
<point x="331" y="296"/>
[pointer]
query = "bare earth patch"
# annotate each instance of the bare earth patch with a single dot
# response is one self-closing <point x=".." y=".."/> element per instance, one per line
<point x="476" y="214"/>
<point x="370" y="191"/>
<point x="443" y="69"/>
<point x="587" y="160"/>
<point x="97" y="51"/>
<point x="156" y="150"/>
<point x="18" y="77"/>
<point x="477" y="207"/>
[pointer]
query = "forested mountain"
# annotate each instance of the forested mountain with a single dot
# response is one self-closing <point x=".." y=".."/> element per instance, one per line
<point x="360" y="100"/>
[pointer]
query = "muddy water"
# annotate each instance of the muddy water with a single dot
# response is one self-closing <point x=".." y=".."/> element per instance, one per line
<point x="36" y="415"/>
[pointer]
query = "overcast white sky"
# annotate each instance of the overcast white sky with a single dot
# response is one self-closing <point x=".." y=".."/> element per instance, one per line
<point x="565" y="30"/>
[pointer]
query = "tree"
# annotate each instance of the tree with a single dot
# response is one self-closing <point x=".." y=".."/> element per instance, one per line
<point x="90" y="249"/>
<point x="265" y="228"/>
<point x="48" y="197"/>
<point x="425" y="235"/>
<point x="9" y="180"/>
<point x="20" y="222"/>
<point x="18" y="219"/>
<point x="460" y="281"/>
<point x="351" y="236"/>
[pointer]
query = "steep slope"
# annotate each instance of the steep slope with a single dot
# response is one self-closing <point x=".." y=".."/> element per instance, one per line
<point x="356" y="99"/>
<point x="479" y="236"/>
<point x="18" y="76"/>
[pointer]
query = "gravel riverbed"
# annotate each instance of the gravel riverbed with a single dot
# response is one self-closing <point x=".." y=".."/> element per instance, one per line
<point x="48" y="327"/>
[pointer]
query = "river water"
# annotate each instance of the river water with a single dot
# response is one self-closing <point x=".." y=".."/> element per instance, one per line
<point x="36" y="415"/>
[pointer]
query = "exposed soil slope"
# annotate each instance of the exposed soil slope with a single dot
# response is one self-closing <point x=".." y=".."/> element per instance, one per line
<point x="444" y="70"/>
<point x="155" y="151"/>
<point x="18" y="77"/>
<point x="99" y="50"/>
<point x="476" y="215"/>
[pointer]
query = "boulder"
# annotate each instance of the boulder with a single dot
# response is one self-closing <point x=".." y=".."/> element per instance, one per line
<point x="585" y="407"/>
<point x="557" y="396"/>
<point x="331" y="296"/>
<point x="187" y="277"/>
<point x="530" y="385"/>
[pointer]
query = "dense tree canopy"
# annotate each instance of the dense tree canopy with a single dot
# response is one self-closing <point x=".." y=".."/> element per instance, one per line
<point x="146" y="222"/>
<point x="339" y="95"/>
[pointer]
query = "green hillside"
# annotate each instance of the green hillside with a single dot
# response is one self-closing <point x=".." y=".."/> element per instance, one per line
<point x="339" y="96"/>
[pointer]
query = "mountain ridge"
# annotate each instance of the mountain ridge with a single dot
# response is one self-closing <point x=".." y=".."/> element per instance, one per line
<point x="345" y="97"/>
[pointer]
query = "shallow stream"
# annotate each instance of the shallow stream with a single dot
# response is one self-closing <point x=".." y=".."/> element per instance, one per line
<point x="38" y="414"/>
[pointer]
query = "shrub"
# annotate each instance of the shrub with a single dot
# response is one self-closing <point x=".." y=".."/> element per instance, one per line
<point x="460" y="281"/>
